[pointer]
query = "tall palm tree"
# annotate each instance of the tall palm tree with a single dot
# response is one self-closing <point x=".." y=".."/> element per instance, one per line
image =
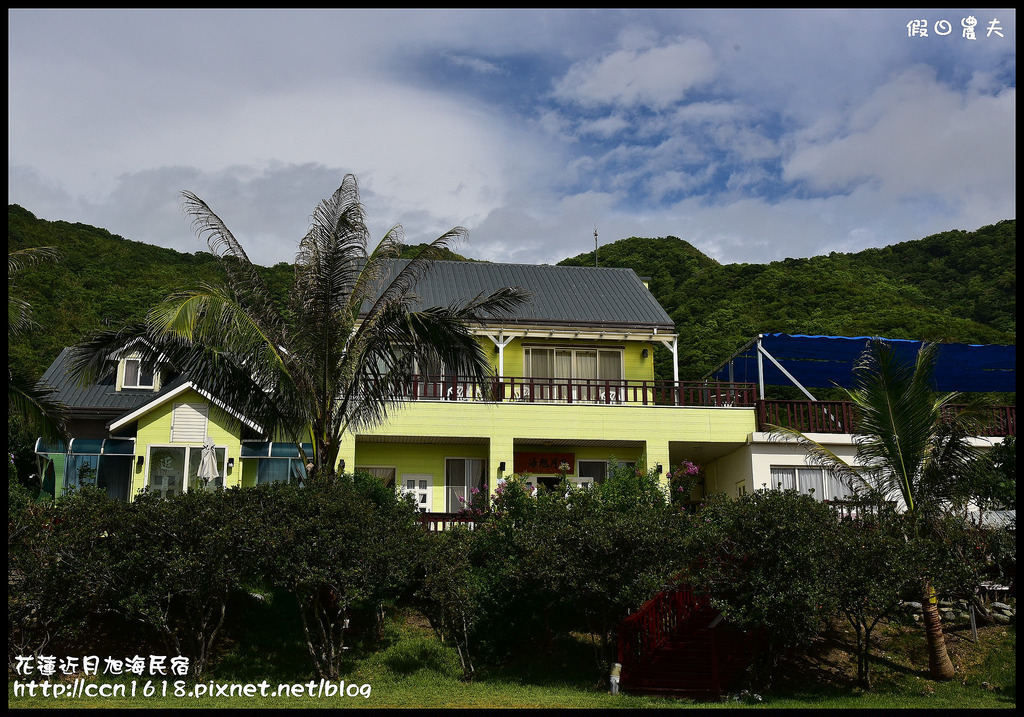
<point x="32" y="401"/>
<point x="339" y="356"/>
<point x="912" y="448"/>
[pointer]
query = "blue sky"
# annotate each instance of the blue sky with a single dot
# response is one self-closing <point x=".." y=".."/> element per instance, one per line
<point x="755" y="135"/>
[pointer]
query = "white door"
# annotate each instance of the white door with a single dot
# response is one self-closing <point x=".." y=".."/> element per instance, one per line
<point x="420" y="486"/>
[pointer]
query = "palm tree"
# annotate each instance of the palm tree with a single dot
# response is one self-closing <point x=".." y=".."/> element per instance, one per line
<point x="28" y="399"/>
<point x="339" y="356"/>
<point x="912" y="448"/>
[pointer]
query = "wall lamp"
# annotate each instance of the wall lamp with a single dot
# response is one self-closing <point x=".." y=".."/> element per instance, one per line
<point x="139" y="461"/>
<point x="231" y="463"/>
<point x="645" y="353"/>
<point x="342" y="464"/>
<point x="659" y="468"/>
<point x="501" y="466"/>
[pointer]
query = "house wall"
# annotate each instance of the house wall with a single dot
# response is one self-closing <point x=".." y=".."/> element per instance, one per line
<point x="154" y="428"/>
<point x="750" y="466"/>
<point x="496" y="431"/>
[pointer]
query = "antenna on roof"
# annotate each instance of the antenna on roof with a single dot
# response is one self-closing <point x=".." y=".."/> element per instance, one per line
<point x="595" y="246"/>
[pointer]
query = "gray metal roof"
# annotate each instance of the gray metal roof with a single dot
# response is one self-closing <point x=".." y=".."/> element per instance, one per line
<point x="569" y="296"/>
<point x="100" y="397"/>
<point x="562" y="295"/>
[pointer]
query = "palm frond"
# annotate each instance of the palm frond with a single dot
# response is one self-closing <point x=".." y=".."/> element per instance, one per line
<point x="43" y="414"/>
<point x="243" y="276"/>
<point x="24" y="258"/>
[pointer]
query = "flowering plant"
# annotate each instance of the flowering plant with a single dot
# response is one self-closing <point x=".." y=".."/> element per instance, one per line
<point x="475" y="504"/>
<point x="682" y="480"/>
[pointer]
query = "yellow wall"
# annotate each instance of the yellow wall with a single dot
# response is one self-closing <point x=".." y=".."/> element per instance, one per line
<point x="155" y="429"/>
<point x="590" y="431"/>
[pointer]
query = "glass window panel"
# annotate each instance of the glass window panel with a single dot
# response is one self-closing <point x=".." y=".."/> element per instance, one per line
<point x="586" y="364"/>
<point x="836" y="488"/>
<point x="114" y="476"/>
<point x="563" y="364"/>
<point x="195" y="458"/>
<point x="783" y="478"/>
<point x="131" y="373"/>
<point x="811" y="479"/>
<point x="609" y="365"/>
<point x="80" y="470"/>
<point x="541" y="363"/>
<point x="272" y="470"/>
<point x="167" y="471"/>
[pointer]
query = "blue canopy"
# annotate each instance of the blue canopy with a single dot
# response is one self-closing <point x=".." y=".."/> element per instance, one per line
<point x="826" y="361"/>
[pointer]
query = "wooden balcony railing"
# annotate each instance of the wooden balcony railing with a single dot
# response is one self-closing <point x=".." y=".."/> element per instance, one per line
<point x="440" y="522"/>
<point x="655" y="623"/>
<point x="840" y="417"/>
<point x="582" y="391"/>
<point x="807" y="416"/>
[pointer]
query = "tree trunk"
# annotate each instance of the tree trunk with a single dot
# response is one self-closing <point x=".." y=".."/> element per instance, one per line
<point x="939" y="665"/>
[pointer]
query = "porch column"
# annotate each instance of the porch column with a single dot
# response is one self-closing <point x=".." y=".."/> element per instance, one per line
<point x="500" y="342"/>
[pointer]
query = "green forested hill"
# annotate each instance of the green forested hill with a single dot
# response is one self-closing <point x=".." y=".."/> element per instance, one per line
<point x="954" y="286"/>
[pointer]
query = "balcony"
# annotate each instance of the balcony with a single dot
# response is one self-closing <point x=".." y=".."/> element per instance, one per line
<point x="583" y="391"/>
<point x="840" y="417"/>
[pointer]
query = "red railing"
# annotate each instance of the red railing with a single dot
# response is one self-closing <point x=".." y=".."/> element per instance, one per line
<point x="676" y="643"/>
<point x="656" y="622"/>
<point x="584" y="391"/>
<point x="999" y="421"/>
<point x="807" y="416"/>
<point x="440" y="522"/>
<point x="840" y="417"/>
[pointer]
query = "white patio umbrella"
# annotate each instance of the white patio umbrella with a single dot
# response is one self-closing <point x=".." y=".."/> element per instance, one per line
<point x="208" y="464"/>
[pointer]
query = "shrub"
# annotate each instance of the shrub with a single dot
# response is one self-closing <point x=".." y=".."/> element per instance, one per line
<point x="767" y="561"/>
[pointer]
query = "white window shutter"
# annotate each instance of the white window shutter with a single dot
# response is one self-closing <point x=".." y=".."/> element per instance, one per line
<point x="189" y="422"/>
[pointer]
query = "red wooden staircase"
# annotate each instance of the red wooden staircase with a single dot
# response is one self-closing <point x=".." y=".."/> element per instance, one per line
<point x="676" y="644"/>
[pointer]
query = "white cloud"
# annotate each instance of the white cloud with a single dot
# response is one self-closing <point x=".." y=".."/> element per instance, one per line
<point x="915" y="136"/>
<point x="655" y="77"/>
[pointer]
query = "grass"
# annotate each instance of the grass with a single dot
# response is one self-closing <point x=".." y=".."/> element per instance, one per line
<point x="409" y="668"/>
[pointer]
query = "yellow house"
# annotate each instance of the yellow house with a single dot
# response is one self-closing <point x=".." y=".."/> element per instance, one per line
<point x="574" y="391"/>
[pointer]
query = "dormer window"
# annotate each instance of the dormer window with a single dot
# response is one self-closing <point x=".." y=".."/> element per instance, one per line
<point x="137" y="374"/>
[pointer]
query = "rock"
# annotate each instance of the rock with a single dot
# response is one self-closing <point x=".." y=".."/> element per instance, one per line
<point x="1000" y="618"/>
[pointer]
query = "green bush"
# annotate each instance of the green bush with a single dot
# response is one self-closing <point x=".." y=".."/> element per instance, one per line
<point x="767" y="561"/>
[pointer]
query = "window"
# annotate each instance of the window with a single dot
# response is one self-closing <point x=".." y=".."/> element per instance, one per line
<point x="420" y="487"/>
<point x="591" y="472"/>
<point x="586" y="370"/>
<point x="463" y="481"/>
<point x="809" y="481"/>
<point x="102" y="463"/>
<point x="137" y="374"/>
<point x="175" y="469"/>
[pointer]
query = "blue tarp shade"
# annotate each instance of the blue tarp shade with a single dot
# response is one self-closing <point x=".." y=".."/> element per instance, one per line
<point x="825" y="361"/>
